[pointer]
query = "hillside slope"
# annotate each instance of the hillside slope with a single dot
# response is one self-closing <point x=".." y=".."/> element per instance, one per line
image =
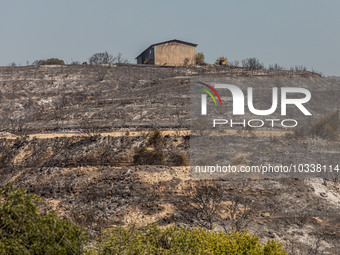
<point x="93" y="178"/>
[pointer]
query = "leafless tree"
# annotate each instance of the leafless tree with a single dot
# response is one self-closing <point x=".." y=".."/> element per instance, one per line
<point x="101" y="58"/>
<point x="204" y="204"/>
<point x="201" y="204"/>
<point x="119" y="59"/>
<point x="299" y="68"/>
<point x="301" y="219"/>
<point x="239" y="214"/>
<point x="276" y="67"/>
<point x="299" y="249"/>
<point x="252" y="64"/>
<point x="235" y="63"/>
<point x="106" y="58"/>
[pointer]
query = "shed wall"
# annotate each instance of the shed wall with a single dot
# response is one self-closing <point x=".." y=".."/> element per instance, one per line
<point x="174" y="54"/>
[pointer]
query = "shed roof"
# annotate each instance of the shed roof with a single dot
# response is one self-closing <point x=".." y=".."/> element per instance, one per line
<point x="174" y="40"/>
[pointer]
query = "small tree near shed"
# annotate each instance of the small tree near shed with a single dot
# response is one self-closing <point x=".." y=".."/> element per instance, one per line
<point x="199" y="59"/>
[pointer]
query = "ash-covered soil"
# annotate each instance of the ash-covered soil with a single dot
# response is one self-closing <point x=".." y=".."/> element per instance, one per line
<point x="93" y="179"/>
<point x="70" y="98"/>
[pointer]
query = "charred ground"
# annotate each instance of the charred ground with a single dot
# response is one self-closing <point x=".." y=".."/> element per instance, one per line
<point x="92" y="177"/>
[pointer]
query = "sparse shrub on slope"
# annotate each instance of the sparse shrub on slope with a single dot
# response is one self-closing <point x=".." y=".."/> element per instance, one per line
<point x="24" y="230"/>
<point x="179" y="159"/>
<point x="180" y="240"/>
<point x="327" y="127"/>
<point x="299" y="132"/>
<point x="156" y="138"/>
<point x="143" y="156"/>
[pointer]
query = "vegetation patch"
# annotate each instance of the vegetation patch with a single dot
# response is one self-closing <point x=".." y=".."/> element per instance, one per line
<point x="155" y="138"/>
<point x="327" y="128"/>
<point x="143" y="156"/>
<point x="25" y="230"/>
<point x="181" y="240"/>
<point x="179" y="159"/>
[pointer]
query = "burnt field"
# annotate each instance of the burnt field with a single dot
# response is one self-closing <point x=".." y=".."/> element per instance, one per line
<point x="39" y="99"/>
<point x="109" y="145"/>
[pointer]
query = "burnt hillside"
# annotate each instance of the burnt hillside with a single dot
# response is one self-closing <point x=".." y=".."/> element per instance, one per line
<point x="77" y="97"/>
<point x="82" y="138"/>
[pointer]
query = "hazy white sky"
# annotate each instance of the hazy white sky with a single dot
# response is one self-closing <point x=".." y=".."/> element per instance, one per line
<point x="289" y="32"/>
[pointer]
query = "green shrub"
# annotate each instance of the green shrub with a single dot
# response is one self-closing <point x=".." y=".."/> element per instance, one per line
<point x="54" y="61"/>
<point x="24" y="230"/>
<point x="180" y="240"/>
<point x="143" y="156"/>
<point x="199" y="59"/>
<point x="50" y="61"/>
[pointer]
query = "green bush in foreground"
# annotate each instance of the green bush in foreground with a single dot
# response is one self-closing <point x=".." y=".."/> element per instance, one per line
<point x="24" y="230"/>
<point x="181" y="240"/>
